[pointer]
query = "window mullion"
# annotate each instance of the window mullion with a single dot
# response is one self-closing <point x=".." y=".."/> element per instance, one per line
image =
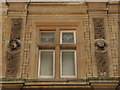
<point x="57" y="54"/>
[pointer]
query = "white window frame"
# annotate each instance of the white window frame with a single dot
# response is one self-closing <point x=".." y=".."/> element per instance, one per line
<point x="75" y="58"/>
<point x="41" y="76"/>
<point x="74" y="33"/>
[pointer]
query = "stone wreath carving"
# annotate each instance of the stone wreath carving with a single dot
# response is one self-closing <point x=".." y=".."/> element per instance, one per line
<point x="14" y="44"/>
<point x="100" y="44"/>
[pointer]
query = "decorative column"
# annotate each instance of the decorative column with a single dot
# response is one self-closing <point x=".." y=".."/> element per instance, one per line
<point x="99" y="39"/>
<point x="16" y="25"/>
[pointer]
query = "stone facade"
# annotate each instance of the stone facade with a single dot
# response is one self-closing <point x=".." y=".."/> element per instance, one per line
<point x="96" y="24"/>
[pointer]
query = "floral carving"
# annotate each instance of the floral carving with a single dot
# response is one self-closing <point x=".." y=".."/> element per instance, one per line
<point x="16" y="24"/>
<point x="102" y="63"/>
<point x="101" y="52"/>
<point x="99" y="28"/>
<point x="12" y="64"/>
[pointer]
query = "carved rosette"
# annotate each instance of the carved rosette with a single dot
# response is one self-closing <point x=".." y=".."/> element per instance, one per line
<point x="13" y="53"/>
<point x="101" y="53"/>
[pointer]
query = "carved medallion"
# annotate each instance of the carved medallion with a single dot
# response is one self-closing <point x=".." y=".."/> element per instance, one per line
<point x="14" y="44"/>
<point x="100" y="44"/>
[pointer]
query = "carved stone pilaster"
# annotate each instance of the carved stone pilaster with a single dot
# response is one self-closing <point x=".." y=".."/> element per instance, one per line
<point x="13" y="53"/>
<point x="101" y="53"/>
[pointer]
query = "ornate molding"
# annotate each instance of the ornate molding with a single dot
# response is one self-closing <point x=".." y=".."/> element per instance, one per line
<point x="101" y="53"/>
<point x="13" y="53"/>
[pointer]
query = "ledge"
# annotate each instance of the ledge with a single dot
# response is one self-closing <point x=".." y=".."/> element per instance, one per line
<point x="64" y="82"/>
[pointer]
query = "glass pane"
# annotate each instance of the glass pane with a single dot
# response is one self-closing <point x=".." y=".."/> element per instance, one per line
<point x="46" y="63"/>
<point x="47" y="37"/>
<point x="67" y="37"/>
<point x="68" y="63"/>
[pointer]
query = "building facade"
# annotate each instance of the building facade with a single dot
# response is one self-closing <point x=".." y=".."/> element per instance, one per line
<point x="70" y="45"/>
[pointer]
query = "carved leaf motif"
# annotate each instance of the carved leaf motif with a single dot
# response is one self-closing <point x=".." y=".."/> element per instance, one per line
<point x="101" y="53"/>
<point x="12" y="64"/>
<point x="99" y="28"/>
<point x="102" y="63"/>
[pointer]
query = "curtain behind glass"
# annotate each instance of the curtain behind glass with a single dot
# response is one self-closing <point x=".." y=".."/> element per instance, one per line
<point x="68" y="64"/>
<point x="46" y="63"/>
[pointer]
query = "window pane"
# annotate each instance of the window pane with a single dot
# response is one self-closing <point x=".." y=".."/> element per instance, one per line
<point x="46" y="63"/>
<point x="67" y="37"/>
<point x="68" y="63"/>
<point x="47" y="37"/>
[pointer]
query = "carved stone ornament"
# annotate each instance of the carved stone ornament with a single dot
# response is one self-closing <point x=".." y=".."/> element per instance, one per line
<point x="12" y="64"/>
<point x="101" y="53"/>
<point x="14" y="44"/>
<point x="99" y="28"/>
<point x="16" y="24"/>
<point x="100" y="44"/>
<point x="13" y="53"/>
<point x="102" y="63"/>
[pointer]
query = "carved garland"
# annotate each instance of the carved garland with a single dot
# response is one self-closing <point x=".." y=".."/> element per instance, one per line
<point x="101" y="52"/>
<point x="13" y="53"/>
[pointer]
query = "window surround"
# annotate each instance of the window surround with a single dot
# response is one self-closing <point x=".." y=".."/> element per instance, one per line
<point x="57" y="46"/>
<point x="74" y="63"/>
<point x="39" y="62"/>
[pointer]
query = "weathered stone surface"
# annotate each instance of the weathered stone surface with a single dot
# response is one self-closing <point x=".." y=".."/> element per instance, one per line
<point x="96" y="26"/>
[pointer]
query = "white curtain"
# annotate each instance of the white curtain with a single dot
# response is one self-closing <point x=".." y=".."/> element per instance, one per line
<point x="68" y="64"/>
<point x="46" y="63"/>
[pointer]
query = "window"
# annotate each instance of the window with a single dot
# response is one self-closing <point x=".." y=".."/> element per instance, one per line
<point x="68" y="37"/>
<point x="57" y="49"/>
<point x="68" y="62"/>
<point x="46" y="37"/>
<point x="46" y="63"/>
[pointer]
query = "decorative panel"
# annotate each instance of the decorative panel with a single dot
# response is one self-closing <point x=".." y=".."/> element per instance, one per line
<point x="99" y="28"/>
<point x="13" y="53"/>
<point x="101" y="52"/>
